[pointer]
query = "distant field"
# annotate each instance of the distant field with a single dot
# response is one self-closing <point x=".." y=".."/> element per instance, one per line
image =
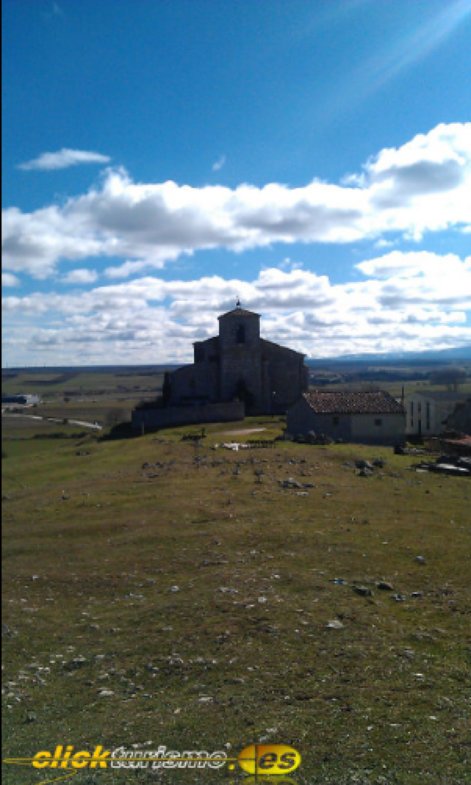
<point x="25" y="428"/>
<point x="106" y="398"/>
<point x="157" y="591"/>
<point x="395" y="388"/>
<point x="49" y="385"/>
<point x="410" y="387"/>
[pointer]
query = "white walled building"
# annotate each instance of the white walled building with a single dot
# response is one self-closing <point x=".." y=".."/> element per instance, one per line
<point x="363" y="417"/>
<point x="427" y="412"/>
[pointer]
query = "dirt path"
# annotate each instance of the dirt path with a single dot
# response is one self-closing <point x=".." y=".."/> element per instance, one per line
<point x="242" y="432"/>
<point x="93" y="425"/>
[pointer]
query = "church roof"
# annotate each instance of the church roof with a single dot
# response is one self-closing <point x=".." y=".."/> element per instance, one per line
<point x="239" y="312"/>
<point x="333" y="402"/>
<point x="279" y="346"/>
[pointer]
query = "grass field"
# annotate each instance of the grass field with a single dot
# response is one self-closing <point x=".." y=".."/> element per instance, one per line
<point x="159" y="591"/>
<point x="104" y="397"/>
<point x="395" y="388"/>
<point x="49" y="385"/>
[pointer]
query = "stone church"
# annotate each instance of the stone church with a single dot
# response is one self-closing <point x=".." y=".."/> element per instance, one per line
<point x="239" y="365"/>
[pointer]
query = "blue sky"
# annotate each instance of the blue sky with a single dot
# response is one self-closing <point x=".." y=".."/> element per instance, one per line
<point x="162" y="157"/>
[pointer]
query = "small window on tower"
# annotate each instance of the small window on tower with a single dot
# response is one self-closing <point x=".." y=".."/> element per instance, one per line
<point x="199" y="353"/>
<point x="240" y="334"/>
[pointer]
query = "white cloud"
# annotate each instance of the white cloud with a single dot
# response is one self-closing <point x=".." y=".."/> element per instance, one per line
<point x="8" y="279"/>
<point x="217" y="165"/>
<point x="421" y="187"/>
<point x="406" y="301"/>
<point x="421" y="263"/>
<point x="81" y="276"/>
<point x="64" y="158"/>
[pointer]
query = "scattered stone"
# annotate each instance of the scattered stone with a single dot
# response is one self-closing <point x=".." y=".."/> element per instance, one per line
<point x="206" y="699"/>
<point x="401" y="450"/>
<point x="417" y="594"/>
<point x="270" y="629"/>
<point x="384" y="586"/>
<point x="363" y="591"/>
<point x="105" y="693"/>
<point x="459" y="466"/>
<point x="339" y="581"/>
<point x="30" y="716"/>
<point x="291" y="483"/>
<point x="75" y="664"/>
<point x="420" y="560"/>
<point x="174" y="589"/>
<point x="362" y="464"/>
<point x="175" y="661"/>
<point x="399" y="597"/>
<point x="335" y="624"/>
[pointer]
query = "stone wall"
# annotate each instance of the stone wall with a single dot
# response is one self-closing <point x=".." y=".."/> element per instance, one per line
<point x="150" y="419"/>
<point x="378" y="428"/>
<point x="286" y="377"/>
<point x="193" y="382"/>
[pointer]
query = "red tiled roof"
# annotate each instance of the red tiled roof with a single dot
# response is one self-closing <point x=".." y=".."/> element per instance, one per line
<point x="464" y="441"/>
<point x="332" y="402"/>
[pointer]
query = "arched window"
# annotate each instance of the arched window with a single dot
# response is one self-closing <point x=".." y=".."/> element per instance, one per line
<point x="240" y="334"/>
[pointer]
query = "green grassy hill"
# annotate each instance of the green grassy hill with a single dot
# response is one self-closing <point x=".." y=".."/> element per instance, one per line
<point x="160" y="591"/>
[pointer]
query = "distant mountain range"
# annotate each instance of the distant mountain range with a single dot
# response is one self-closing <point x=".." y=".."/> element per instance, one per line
<point x="446" y="356"/>
<point x="454" y="356"/>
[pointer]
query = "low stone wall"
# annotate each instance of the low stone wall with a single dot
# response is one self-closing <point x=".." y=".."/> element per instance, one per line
<point x="151" y="419"/>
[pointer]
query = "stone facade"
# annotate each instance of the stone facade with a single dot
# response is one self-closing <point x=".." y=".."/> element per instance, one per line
<point x="240" y="365"/>
<point x="146" y="419"/>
